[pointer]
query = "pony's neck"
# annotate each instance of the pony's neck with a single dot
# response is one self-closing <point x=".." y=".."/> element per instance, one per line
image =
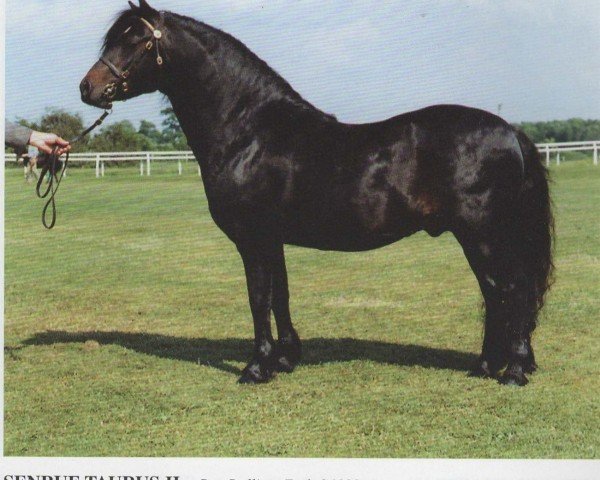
<point x="214" y="82"/>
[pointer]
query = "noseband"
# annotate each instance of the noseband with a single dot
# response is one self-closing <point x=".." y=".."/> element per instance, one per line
<point x="111" y="89"/>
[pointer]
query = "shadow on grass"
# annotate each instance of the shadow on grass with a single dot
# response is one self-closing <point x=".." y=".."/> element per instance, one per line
<point x="217" y="352"/>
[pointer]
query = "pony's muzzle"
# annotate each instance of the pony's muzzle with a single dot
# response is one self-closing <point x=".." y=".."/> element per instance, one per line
<point x="85" y="87"/>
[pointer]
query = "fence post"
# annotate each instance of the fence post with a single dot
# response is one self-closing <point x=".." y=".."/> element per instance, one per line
<point x="148" y="163"/>
<point x="199" y="172"/>
<point x="102" y="168"/>
<point x="97" y="165"/>
<point x="547" y="155"/>
<point x="141" y="167"/>
<point x="558" y="158"/>
<point x="596" y="154"/>
<point x="180" y="167"/>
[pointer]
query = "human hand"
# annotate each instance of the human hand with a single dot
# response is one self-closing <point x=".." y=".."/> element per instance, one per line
<point x="47" y="141"/>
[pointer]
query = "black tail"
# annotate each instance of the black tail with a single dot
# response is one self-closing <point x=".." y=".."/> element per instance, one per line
<point x="535" y="224"/>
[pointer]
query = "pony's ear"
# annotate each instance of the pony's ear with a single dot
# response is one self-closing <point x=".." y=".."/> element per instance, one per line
<point x="144" y="7"/>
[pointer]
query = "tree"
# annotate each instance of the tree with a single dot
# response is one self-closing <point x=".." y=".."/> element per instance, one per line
<point x="28" y="124"/>
<point x="117" y="137"/>
<point x="150" y="136"/>
<point x="572" y="130"/>
<point x="64" y="124"/>
<point x="149" y="130"/>
<point x="172" y="133"/>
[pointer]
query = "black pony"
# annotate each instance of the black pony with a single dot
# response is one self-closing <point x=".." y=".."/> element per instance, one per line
<point x="279" y="171"/>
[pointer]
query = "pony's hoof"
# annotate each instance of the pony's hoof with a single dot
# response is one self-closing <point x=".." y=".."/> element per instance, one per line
<point x="284" y="365"/>
<point x="479" y="372"/>
<point x="483" y="370"/>
<point x="530" y="368"/>
<point x="514" y="379"/>
<point x="255" y="373"/>
<point x="289" y="357"/>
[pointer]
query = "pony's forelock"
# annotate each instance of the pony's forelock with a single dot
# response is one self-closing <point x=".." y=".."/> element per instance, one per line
<point x="121" y="21"/>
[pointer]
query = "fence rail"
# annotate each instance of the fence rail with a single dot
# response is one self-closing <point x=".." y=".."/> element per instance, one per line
<point x="558" y="148"/>
<point x="146" y="158"/>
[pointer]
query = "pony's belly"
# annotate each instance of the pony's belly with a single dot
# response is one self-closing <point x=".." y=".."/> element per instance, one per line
<point x="347" y="224"/>
<point x="340" y="236"/>
<point x="343" y="245"/>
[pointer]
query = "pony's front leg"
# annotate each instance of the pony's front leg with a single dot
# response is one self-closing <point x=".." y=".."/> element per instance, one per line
<point x="259" y="278"/>
<point x="289" y="348"/>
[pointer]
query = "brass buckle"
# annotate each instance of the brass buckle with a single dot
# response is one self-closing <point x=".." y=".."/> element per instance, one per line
<point x="110" y="90"/>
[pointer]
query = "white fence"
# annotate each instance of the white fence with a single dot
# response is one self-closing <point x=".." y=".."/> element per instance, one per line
<point x="558" y="148"/>
<point x="145" y="159"/>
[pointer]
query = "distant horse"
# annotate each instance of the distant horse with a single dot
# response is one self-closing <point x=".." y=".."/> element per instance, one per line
<point x="279" y="171"/>
<point x="29" y="167"/>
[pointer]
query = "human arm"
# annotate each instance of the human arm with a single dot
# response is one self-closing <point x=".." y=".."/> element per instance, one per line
<point x="19" y="137"/>
<point x="47" y="141"/>
<point x="16" y="136"/>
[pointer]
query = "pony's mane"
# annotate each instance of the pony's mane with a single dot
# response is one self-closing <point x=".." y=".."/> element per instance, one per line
<point x="246" y="60"/>
<point x="202" y="31"/>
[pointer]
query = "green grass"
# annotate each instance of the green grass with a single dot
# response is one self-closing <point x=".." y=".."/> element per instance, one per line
<point x="127" y="326"/>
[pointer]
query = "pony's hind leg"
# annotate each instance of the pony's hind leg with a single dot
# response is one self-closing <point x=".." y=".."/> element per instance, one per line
<point x="509" y="313"/>
<point x="494" y="355"/>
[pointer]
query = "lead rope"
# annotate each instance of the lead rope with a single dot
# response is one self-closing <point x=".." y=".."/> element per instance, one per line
<point x="55" y="180"/>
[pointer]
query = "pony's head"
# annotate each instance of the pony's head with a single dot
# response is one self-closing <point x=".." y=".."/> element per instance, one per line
<point x="131" y="60"/>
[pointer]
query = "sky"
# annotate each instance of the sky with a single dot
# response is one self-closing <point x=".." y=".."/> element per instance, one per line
<point x="362" y="60"/>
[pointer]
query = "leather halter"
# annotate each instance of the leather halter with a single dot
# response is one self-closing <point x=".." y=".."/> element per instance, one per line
<point x="110" y="90"/>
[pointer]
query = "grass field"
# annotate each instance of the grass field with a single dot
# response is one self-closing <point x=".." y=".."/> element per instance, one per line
<point x="127" y="326"/>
